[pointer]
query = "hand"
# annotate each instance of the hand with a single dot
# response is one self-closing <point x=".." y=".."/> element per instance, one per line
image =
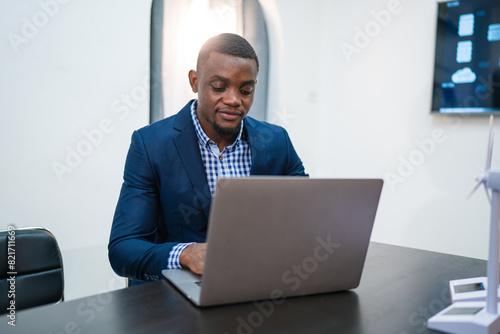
<point x="193" y="257"/>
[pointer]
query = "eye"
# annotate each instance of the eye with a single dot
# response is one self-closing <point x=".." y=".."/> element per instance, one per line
<point x="218" y="89"/>
<point x="246" y="91"/>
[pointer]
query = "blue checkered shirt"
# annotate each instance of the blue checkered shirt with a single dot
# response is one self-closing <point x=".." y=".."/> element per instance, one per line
<point x="233" y="161"/>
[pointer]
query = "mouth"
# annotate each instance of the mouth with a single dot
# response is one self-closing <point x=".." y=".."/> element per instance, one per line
<point x="229" y="115"/>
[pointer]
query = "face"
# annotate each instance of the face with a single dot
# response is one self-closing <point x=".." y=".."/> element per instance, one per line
<point x="226" y="86"/>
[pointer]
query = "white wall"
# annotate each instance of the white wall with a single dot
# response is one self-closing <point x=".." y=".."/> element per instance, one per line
<point x="67" y="68"/>
<point x="364" y="115"/>
<point x="347" y="119"/>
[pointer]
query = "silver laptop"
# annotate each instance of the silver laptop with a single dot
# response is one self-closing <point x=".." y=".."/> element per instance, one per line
<point x="272" y="238"/>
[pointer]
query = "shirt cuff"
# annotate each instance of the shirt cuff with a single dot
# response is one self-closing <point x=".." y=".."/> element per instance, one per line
<point x="173" y="256"/>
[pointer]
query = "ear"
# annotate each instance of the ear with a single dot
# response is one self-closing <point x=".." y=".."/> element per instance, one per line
<point x="193" y="80"/>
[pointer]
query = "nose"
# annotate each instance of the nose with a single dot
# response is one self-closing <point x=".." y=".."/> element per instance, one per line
<point x="232" y="98"/>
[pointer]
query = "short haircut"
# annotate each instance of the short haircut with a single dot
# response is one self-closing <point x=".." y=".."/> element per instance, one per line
<point x="230" y="44"/>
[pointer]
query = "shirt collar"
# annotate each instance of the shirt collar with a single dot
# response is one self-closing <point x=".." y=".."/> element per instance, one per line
<point x="202" y="137"/>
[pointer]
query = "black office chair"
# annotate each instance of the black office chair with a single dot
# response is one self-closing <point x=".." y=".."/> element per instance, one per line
<point x="33" y="258"/>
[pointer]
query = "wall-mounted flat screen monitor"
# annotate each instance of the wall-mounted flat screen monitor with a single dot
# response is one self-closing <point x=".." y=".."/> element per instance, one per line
<point x="467" y="59"/>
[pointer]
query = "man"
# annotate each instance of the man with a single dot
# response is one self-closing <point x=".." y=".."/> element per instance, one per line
<point x="172" y="165"/>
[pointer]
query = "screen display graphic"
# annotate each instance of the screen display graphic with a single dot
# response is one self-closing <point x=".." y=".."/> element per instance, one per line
<point x="469" y="287"/>
<point x="467" y="59"/>
<point x="463" y="311"/>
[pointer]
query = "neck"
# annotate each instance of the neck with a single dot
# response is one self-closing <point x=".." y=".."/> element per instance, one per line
<point x="225" y="141"/>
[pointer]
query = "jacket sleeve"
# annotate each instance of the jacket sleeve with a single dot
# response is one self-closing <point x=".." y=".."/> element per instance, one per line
<point x="132" y="251"/>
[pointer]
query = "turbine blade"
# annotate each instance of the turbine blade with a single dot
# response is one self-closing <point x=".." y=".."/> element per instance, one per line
<point x="490" y="144"/>
<point x="490" y="153"/>
<point x="487" y="192"/>
<point x="473" y="190"/>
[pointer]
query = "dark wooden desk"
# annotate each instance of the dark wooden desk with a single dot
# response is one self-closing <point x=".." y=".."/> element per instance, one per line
<point x="399" y="290"/>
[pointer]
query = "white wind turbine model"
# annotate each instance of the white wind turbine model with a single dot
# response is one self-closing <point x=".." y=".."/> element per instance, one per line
<point x="479" y="317"/>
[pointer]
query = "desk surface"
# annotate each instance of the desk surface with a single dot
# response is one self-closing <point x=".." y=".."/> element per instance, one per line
<point x="400" y="288"/>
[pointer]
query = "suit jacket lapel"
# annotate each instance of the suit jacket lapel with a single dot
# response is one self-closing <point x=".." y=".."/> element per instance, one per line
<point x="258" y="147"/>
<point x="187" y="147"/>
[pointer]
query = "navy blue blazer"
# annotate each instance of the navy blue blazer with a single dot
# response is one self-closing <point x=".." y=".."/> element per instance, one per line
<point x="165" y="198"/>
